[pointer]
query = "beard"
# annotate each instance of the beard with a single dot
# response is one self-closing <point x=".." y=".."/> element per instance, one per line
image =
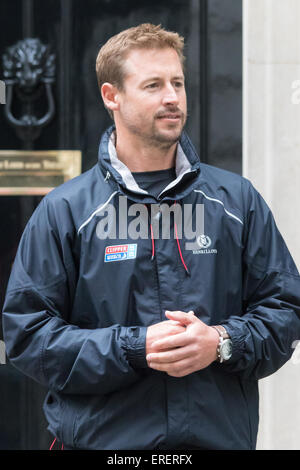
<point x="152" y="135"/>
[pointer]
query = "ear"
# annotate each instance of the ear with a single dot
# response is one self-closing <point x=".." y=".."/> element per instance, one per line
<point x="109" y="95"/>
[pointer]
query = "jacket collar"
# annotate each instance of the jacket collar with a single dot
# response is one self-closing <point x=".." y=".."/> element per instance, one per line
<point x="187" y="163"/>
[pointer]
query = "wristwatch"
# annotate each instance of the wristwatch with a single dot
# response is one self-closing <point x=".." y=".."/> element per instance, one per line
<point x="224" y="349"/>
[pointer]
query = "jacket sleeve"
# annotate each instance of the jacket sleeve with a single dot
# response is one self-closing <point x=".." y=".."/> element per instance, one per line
<point x="264" y="332"/>
<point x="39" y="340"/>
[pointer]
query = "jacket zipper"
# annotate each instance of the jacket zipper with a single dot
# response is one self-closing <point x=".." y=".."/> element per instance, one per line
<point x="165" y="375"/>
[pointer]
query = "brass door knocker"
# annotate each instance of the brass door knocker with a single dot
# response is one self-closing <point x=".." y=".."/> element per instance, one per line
<point x="29" y="73"/>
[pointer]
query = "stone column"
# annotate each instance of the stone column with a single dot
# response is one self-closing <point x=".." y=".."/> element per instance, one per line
<point x="271" y="160"/>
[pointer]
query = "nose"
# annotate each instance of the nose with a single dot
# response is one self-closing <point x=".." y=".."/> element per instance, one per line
<point x="170" y="95"/>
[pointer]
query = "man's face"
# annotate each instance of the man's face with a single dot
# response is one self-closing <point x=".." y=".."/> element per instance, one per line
<point x="153" y="99"/>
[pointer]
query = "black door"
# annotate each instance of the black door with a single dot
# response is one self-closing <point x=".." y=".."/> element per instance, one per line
<point x="75" y="30"/>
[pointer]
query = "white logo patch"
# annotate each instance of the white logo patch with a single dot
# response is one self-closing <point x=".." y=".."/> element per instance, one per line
<point x="204" y="242"/>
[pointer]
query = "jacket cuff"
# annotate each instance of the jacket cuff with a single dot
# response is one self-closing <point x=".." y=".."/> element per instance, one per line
<point x="136" y="346"/>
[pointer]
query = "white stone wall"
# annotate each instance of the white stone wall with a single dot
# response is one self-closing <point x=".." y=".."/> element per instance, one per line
<point x="271" y="160"/>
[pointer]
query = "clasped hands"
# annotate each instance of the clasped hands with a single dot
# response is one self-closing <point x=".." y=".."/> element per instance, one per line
<point x="181" y="345"/>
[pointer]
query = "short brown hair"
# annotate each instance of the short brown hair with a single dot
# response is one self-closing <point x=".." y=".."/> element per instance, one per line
<point x="112" y="55"/>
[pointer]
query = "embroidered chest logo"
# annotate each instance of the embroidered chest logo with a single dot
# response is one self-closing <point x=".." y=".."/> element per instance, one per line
<point x="204" y="242"/>
<point x="120" y="252"/>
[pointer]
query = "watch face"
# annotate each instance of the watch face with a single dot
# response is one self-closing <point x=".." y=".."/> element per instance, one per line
<point x="226" y="349"/>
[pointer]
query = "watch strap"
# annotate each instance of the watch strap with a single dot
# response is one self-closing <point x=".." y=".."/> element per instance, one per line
<point x="222" y="336"/>
<point x="222" y="331"/>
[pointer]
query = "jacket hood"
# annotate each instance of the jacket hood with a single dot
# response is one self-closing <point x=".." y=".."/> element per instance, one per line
<point x="187" y="167"/>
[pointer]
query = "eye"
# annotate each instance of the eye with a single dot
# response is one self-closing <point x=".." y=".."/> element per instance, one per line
<point x="152" y="85"/>
<point x="178" y="84"/>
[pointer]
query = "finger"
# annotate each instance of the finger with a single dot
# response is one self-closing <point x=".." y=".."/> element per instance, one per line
<point x="183" y="317"/>
<point x="170" y="342"/>
<point x="174" y="322"/>
<point x="173" y="355"/>
<point x="173" y="368"/>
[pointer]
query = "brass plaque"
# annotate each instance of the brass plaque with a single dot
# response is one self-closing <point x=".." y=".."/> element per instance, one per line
<point x="27" y="172"/>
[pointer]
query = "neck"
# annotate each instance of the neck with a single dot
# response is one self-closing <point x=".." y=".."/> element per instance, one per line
<point x="139" y="157"/>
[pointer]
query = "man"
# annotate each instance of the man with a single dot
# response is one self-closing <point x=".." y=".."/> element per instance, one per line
<point x="151" y="341"/>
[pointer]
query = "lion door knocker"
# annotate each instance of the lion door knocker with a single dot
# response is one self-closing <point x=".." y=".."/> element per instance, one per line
<point x="29" y="70"/>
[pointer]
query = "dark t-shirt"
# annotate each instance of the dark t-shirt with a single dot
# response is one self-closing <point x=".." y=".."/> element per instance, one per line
<point x="154" y="182"/>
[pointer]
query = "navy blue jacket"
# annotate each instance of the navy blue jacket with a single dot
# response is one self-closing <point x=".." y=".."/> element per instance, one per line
<point x="78" y="306"/>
